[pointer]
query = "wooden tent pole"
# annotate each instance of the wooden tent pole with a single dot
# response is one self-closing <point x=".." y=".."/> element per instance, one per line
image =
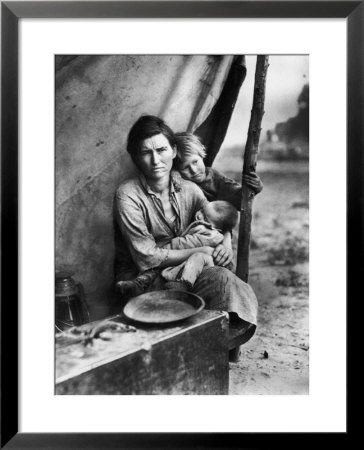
<point x="250" y="162"/>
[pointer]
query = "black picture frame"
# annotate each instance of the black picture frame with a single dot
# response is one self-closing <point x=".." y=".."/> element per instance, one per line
<point x="11" y="12"/>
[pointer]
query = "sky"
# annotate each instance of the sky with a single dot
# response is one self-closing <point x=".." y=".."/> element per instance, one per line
<point x="285" y="78"/>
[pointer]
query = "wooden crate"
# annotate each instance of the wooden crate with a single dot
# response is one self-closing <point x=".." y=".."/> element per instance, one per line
<point x="191" y="358"/>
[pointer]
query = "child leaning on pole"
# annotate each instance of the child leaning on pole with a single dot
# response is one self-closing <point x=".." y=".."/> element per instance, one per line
<point x="215" y="185"/>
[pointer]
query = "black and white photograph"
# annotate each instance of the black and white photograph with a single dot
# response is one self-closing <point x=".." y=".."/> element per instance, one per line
<point x="181" y="205"/>
<point x="181" y="224"/>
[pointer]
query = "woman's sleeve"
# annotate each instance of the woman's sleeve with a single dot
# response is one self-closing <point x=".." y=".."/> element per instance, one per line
<point x="195" y="241"/>
<point x="197" y="201"/>
<point x="143" y="248"/>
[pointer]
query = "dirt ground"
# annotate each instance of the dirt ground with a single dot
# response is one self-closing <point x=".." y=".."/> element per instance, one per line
<point x="276" y="360"/>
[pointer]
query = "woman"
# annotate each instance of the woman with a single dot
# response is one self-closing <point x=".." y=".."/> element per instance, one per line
<point x="153" y="210"/>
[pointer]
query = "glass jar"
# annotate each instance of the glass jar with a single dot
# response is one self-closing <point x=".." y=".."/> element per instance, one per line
<point x="71" y="309"/>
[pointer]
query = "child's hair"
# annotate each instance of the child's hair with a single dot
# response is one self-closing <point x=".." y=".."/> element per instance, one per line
<point x="188" y="144"/>
<point x="222" y="215"/>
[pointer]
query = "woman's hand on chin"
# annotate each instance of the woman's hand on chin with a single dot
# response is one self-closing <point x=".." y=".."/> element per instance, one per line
<point x="222" y="256"/>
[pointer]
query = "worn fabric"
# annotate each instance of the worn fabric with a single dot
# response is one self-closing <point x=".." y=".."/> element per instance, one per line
<point x="144" y="230"/>
<point x="223" y="291"/>
<point x="189" y="270"/>
<point x="198" y="222"/>
<point x="217" y="186"/>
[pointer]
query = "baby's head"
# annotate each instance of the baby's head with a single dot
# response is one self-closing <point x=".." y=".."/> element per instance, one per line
<point x="220" y="214"/>
<point x="190" y="155"/>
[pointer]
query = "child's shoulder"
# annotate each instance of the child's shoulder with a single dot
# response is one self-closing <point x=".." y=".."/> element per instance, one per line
<point x="214" y="174"/>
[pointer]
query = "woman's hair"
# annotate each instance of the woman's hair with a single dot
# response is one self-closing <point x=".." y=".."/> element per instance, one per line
<point x="188" y="144"/>
<point x="221" y="214"/>
<point x="144" y="128"/>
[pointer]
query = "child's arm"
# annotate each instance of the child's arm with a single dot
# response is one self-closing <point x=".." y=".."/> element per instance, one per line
<point x="230" y="190"/>
<point x="227" y="240"/>
<point x="223" y="253"/>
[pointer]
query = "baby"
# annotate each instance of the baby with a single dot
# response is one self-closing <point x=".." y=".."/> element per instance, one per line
<point x="219" y="216"/>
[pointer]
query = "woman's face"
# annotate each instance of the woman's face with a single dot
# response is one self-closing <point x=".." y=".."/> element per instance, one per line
<point x="155" y="157"/>
<point x="193" y="168"/>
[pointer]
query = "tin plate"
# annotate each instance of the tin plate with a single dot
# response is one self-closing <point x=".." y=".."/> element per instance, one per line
<point x="163" y="306"/>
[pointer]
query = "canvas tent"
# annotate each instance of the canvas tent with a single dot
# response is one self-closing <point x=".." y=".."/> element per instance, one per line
<point x="98" y="98"/>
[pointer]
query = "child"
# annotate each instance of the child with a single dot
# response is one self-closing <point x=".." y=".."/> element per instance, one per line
<point x="220" y="216"/>
<point x="216" y="186"/>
